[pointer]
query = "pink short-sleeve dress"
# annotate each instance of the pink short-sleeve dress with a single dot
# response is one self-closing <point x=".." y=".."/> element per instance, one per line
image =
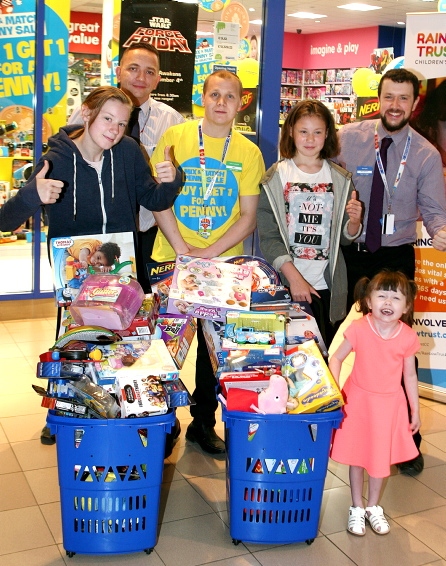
<point x="375" y="432"/>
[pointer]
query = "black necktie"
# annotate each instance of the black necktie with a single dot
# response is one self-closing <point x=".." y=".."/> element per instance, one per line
<point x="133" y="125"/>
<point x="374" y="228"/>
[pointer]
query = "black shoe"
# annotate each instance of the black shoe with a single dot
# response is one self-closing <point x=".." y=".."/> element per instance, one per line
<point x="46" y="437"/>
<point x="172" y="437"/>
<point x="206" y="437"/>
<point x="412" y="467"/>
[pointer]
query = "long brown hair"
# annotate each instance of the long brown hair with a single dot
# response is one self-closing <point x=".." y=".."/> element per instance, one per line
<point x="96" y="100"/>
<point x="386" y="280"/>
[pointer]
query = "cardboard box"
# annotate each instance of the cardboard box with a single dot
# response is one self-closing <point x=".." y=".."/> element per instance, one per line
<point x="140" y="396"/>
<point x="254" y="331"/>
<point x="177" y="332"/>
<point x="208" y="288"/>
<point x="312" y="387"/>
<point x="155" y="361"/>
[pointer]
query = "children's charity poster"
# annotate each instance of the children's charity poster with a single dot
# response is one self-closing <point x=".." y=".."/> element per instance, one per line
<point x="171" y="28"/>
<point x="17" y="56"/>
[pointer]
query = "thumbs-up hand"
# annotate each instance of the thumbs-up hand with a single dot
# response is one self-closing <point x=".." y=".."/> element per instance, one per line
<point x="354" y="210"/>
<point x="165" y="170"/>
<point x="48" y="189"/>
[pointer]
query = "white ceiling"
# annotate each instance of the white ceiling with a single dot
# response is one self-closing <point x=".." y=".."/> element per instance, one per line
<point x="337" y="19"/>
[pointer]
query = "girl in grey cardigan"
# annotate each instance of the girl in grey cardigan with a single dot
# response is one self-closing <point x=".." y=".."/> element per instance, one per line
<point x="307" y="208"/>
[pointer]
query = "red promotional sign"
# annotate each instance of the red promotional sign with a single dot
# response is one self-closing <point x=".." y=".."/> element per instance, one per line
<point x="85" y="33"/>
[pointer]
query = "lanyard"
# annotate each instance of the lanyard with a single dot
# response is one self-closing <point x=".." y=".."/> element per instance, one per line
<point x="400" y="169"/>
<point x="207" y="189"/>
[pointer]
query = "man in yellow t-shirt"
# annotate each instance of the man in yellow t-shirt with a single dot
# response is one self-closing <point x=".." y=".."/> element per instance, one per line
<point x="214" y="213"/>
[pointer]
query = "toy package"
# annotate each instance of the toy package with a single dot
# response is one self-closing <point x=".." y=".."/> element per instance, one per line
<point x="177" y="332"/>
<point x="302" y="326"/>
<point x="160" y="277"/>
<point x="208" y="288"/>
<point x="312" y="388"/>
<point x="156" y="361"/>
<point x="73" y="258"/>
<point x="253" y="330"/>
<point x="140" y="396"/>
<point x="111" y="301"/>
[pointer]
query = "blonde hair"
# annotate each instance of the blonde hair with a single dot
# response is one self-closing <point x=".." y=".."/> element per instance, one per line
<point x="225" y="75"/>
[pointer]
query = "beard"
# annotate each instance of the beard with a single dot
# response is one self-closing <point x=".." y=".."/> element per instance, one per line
<point x="394" y="127"/>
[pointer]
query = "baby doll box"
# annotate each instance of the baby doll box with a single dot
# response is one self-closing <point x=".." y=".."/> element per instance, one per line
<point x="111" y="301"/>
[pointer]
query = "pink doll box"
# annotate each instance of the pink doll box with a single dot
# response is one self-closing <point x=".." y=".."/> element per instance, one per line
<point x="111" y="301"/>
<point x="208" y="288"/>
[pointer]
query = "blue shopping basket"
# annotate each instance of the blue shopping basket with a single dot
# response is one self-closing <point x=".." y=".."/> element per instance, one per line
<point x="275" y="472"/>
<point x="110" y="475"/>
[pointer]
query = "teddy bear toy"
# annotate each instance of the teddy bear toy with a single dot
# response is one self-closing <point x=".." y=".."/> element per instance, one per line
<point x="271" y="401"/>
<point x="239" y="294"/>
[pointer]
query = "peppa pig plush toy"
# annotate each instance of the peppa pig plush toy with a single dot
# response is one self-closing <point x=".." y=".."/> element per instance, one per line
<point x="272" y="401"/>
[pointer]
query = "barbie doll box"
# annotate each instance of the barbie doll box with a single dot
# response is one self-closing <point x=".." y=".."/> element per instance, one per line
<point x="312" y="388"/>
<point x="208" y="288"/>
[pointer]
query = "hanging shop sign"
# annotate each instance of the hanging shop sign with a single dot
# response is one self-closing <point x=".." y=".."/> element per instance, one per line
<point x="85" y="33"/>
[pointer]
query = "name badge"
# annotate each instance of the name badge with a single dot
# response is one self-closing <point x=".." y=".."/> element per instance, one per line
<point x="204" y="226"/>
<point x="388" y="224"/>
<point x="364" y="171"/>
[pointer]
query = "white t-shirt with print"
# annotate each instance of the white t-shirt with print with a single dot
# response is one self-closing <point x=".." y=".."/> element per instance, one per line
<point x="309" y="210"/>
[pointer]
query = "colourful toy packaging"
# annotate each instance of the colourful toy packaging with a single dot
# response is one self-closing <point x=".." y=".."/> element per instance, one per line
<point x="156" y="361"/>
<point x="140" y="396"/>
<point x="253" y="330"/>
<point x="111" y="301"/>
<point x="73" y="258"/>
<point x="312" y="388"/>
<point x="302" y="326"/>
<point x="177" y="332"/>
<point x="160" y="277"/>
<point x="208" y="288"/>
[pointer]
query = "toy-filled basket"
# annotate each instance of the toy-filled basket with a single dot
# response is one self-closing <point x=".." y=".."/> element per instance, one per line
<point x="110" y="475"/>
<point x="276" y="468"/>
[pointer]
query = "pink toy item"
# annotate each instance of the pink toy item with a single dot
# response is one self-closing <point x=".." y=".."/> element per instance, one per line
<point x="273" y="400"/>
<point x="111" y="301"/>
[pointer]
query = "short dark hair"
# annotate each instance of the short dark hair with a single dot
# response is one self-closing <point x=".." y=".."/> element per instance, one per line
<point x="111" y="252"/>
<point x="304" y="108"/>
<point x="225" y="75"/>
<point x="401" y="76"/>
<point x="386" y="280"/>
<point x="147" y="46"/>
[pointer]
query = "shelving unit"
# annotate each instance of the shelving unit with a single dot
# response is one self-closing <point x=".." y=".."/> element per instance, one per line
<point x="331" y="86"/>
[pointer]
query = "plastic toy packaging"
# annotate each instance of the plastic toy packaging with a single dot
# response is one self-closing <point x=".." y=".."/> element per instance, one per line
<point x="111" y="301"/>
<point x="96" y="397"/>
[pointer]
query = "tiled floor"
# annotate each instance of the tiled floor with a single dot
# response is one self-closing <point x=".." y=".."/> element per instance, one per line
<point x="194" y="528"/>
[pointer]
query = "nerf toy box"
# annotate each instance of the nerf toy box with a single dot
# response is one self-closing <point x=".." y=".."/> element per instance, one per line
<point x="312" y="388"/>
<point x="160" y="276"/>
<point x="208" y="288"/>
<point x="177" y="332"/>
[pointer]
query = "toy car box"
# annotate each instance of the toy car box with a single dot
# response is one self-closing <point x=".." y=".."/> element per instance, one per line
<point x="177" y="332"/>
<point x="253" y="330"/>
<point x="208" y="288"/>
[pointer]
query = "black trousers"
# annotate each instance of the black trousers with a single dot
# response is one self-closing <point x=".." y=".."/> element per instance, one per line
<point x="143" y="256"/>
<point x="205" y="384"/>
<point x="360" y="264"/>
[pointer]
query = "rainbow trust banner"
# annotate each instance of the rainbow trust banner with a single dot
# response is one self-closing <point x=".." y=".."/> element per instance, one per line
<point x="17" y="63"/>
<point x="425" y="48"/>
<point x="425" y="55"/>
<point x="171" y="28"/>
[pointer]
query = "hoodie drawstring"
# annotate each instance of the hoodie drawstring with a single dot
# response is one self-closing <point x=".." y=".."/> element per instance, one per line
<point x="112" y="175"/>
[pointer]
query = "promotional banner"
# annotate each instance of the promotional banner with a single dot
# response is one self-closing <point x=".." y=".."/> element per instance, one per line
<point x="425" y="47"/>
<point x="171" y="28"/>
<point x="17" y="48"/>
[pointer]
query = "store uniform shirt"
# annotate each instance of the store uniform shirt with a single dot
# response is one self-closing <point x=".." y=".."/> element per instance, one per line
<point x="240" y="175"/>
<point x="309" y="209"/>
<point x="421" y="189"/>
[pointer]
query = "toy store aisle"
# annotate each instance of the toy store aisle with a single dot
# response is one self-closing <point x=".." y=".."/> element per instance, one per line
<point x="194" y="519"/>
